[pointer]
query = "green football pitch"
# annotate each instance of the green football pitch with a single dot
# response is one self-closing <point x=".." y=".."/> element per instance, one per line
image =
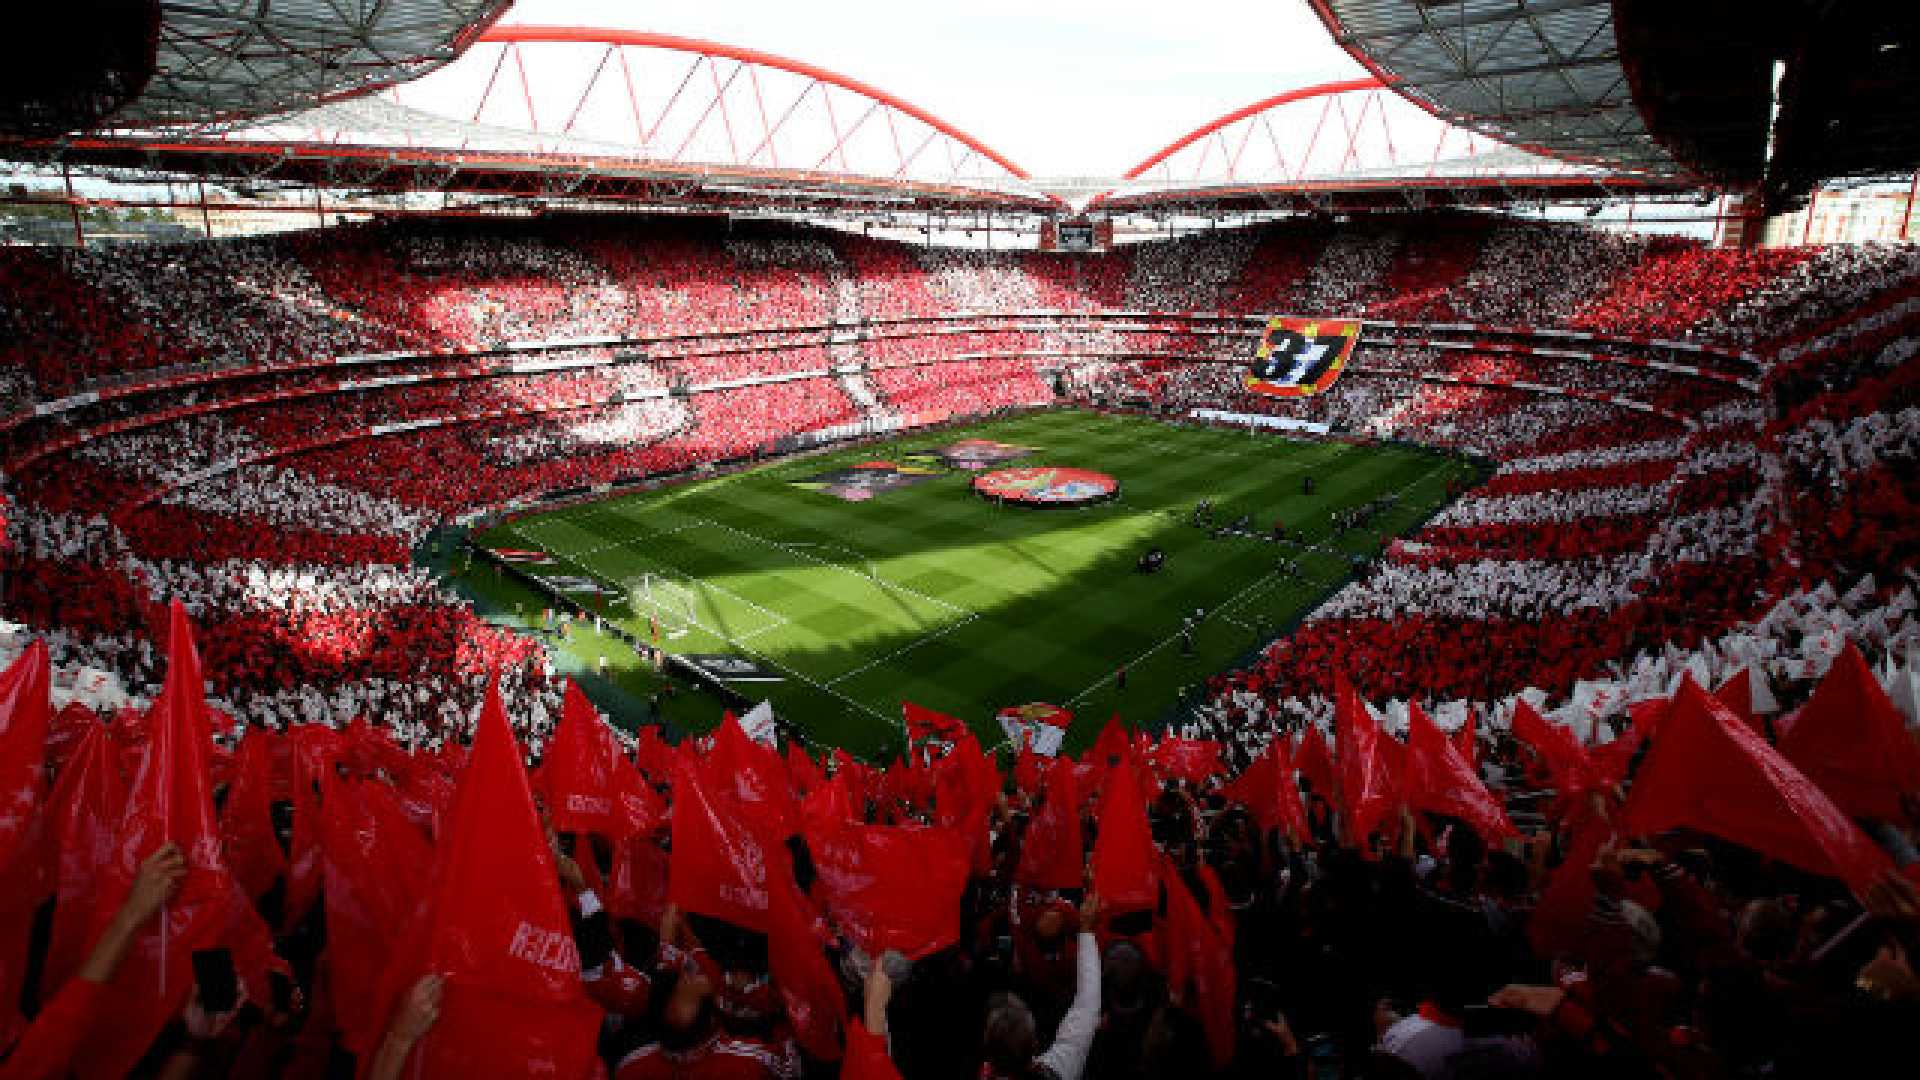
<point x="931" y="594"/>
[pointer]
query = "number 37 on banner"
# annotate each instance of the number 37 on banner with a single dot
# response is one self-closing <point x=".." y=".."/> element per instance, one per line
<point x="1301" y="357"/>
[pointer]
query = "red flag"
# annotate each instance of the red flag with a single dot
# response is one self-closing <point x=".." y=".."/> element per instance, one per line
<point x="892" y="887"/>
<point x="495" y="926"/>
<point x="1707" y="771"/>
<point x="25" y="715"/>
<point x="375" y="865"/>
<point x="1369" y="789"/>
<point x="1197" y="959"/>
<point x="1561" y="916"/>
<point x="866" y="1056"/>
<point x="1564" y="758"/>
<point x="1111" y="747"/>
<point x="965" y="785"/>
<point x="719" y="864"/>
<point x="1315" y="762"/>
<point x="637" y="884"/>
<point x="1052" y="853"/>
<point x="924" y="724"/>
<point x="808" y="987"/>
<point x="750" y="774"/>
<point x="84" y="814"/>
<point x="246" y="821"/>
<point x="1851" y="741"/>
<point x="589" y="785"/>
<point x="169" y="801"/>
<point x="1737" y="694"/>
<point x="1439" y="782"/>
<point x="1468" y="745"/>
<point x="1270" y="793"/>
<point x="802" y="773"/>
<point x="315" y="748"/>
<point x="1192" y="760"/>
<point x="1123" y="852"/>
<point x="652" y="754"/>
<point x="1028" y="767"/>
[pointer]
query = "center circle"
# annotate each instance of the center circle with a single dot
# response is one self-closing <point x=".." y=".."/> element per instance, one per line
<point x="1046" y="485"/>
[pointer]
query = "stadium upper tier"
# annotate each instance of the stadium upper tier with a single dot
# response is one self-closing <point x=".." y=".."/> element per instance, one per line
<point x="265" y="428"/>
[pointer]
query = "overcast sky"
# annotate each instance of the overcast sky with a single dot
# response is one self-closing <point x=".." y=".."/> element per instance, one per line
<point x="1062" y="87"/>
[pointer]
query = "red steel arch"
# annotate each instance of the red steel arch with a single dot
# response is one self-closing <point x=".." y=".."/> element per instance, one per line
<point x="615" y="38"/>
<point x="1303" y="93"/>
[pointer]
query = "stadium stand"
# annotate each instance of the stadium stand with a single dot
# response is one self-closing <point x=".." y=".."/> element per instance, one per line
<point x="1700" y="522"/>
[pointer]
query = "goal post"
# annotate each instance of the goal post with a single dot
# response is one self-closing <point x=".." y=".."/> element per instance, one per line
<point x="667" y="600"/>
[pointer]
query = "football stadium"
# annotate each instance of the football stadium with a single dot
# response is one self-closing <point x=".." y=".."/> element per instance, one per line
<point x="1334" y="538"/>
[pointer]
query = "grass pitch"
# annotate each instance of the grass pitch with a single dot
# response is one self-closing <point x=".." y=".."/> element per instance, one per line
<point x="929" y="593"/>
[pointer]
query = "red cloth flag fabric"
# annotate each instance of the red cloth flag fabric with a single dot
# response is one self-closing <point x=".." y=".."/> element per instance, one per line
<point x="806" y="983"/>
<point x="891" y="887"/>
<point x="1200" y="961"/>
<point x="494" y="925"/>
<point x="1467" y="742"/>
<point x="588" y="784"/>
<point x="1708" y="771"/>
<point x="927" y="724"/>
<point x="965" y="784"/>
<point x="1028" y="768"/>
<point x="1315" y="762"/>
<point x="1112" y="746"/>
<point x="866" y="1057"/>
<point x="84" y="812"/>
<point x="375" y="864"/>
<point x="1192" y="760"/>
<point x="637" y="884"/>
<point x="653" y="756"/>
<point x="1053" y="852"/>
<point x="1439" y="781"/>
<point x="1123" y="852"/>
<point x="26" y="712"/>
<point x="170" y="801"/>
<point x="1560" y="917"/>
<point x="1737" y="694"/>
<point x="1564" y="758"/>
<point x="1851" y="741"/>
<point x="719" y="864"/>
<point x="1369" y="788"/>
<point x="1269" y="792"/>
<point x="246" y="820"/>
<point x="803" y="773"/>
<point x="750" y="774"/>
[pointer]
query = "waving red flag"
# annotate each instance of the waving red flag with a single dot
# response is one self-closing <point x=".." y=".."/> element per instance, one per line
<point x="376" y="866"/>
<point x="1315" y="762"/>
<point x="719" y="864"/>
<point x="652" y="754"/>
<point x="892" y="887"/>
<point x="1123" y="852"/>
<point x="1369" y="786"/>
<point x="25" y="714"/>
<point x="806" y="983"/>
<point x="637" y="884"/>
<point x="85" y="810"/>
<point x="495" y="926"/>
<point x="925" y="724"/>
<point x="1111" y="747"/>
<point x="803" y="773"/>
<point x="1564" y="758"/>
<point x="1737" y="694"/>
<point x="1269" y="792"/>
<point x="1439" y="782"/>
<point x="246" y="820"/>
<point x="1192" y="760"/>
<point x="589" y="785"/>
<point x="1467" y="744"/>
<point x="1201" y="962"/>
<point x="1707" y="771"/>
<point x="866" y="1056"/>
<point x="1028" y="767"/>
<point x="1851" y="741"/>
<point x="753" y="776"/>
<point x="1053" y="853"/>
<point x="170" y="801"/>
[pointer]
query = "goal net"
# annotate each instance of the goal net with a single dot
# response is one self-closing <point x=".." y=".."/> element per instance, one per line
<point x="669" y="602"/>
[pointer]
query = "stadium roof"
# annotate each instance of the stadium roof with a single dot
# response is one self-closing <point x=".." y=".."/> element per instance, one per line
<point x="1545" y="75"/>
<point x="223" y="61"/>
